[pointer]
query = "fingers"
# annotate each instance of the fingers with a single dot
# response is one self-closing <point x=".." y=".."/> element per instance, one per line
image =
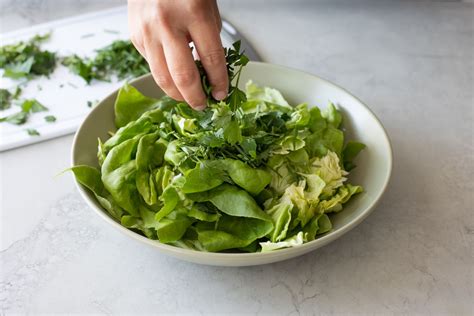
<point x="161" y="31"/>
<point x="217" y="15"/>
<point x="159" y="70"/>
<point x="183" y="70"/>
<point x="209" y="47"/>
<point x="135" y="37"/>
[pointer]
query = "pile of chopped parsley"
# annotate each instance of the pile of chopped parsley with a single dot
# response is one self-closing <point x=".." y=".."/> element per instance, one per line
<point x="27" y="60"/>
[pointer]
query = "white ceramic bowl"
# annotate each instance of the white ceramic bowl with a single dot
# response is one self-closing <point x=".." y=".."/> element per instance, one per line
<point x="373" y="170"/>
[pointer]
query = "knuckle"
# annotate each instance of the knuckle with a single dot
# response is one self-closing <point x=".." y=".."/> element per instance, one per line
<point x="184" y="78"/>
<point x="213" y="58"/>
<point x="160" y="17"/>
<point x="163" y="81"/>
<point x="195" y="6"/>
<point x="159" y="11"/>
<point x="164" y="28"/>
<point x="198" y="10"/>
<point x="146" y="30"/>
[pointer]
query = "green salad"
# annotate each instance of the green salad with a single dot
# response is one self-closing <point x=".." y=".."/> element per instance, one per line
<point x="248" y="174"/>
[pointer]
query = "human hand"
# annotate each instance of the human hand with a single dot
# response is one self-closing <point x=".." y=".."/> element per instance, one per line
<point x="161" y="30"/>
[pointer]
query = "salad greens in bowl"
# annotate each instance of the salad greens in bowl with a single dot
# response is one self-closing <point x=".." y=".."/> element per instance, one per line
<point x="285" y="164"/>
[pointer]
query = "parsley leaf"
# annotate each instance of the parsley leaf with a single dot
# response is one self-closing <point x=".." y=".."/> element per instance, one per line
<point x="27" y="107"/>
<point x="16" y="118"/>
<point x="32" y="132"/>
<point x="50" y="118"/>
<point x="32" y="105"/>
<point x="5" y="97"/>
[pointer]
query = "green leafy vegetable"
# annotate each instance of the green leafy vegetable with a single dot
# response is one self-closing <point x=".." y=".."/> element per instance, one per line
<point x="351" y="150"/>
<point x="120" y="58"/>
<point x="27" y="107"/>
<point x="131" y="104"/>
<point x="292" y="241"/>
<point x="16" y="118"/>
<point x="90" y="178"/>
<point x="27" y="59"/>
<point x="6" y="97"/>
<point x="50" y="118"/>
<point x="32" y="132"/>
<point x="250" y="173"/>
<point x="33" y="106"/>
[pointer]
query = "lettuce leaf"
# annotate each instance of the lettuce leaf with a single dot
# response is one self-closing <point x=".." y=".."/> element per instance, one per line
<point x="328" y="168"/>
<point x="351" y="150"/>
<point x="265" y="94"/>
<point x="118" y="175"/>
<point x="131" y="104"/>
<point x="334" y="204"/>
<point x="293" y="241"/>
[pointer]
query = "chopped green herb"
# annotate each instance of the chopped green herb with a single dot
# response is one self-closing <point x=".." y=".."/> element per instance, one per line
<point x="32" y="105"/>
<point x="26" y="59"/>
<point x="32" y="132"/>
<point x="111" y="31"/>
<point x="16" y="118"/>
<point x="27" y="107"/>
<point x="92" y="103"/>
<point x="120" y="58"/>
<point x="6" y="97"/>
<point x="50" y="118"/>
<point x="16" y="93"/>
<point x="87" y="35"/>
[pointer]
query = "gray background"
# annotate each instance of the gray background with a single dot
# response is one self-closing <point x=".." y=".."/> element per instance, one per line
<point x="410" y="61"/>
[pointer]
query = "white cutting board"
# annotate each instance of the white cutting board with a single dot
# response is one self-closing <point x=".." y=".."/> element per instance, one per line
<point x="69" y="102"/>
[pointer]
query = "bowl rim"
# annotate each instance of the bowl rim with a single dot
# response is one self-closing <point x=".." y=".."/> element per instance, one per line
<point x="203" y="256"/>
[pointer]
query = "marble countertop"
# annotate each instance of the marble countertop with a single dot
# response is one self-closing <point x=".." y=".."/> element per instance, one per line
<point x="410" y="61"/>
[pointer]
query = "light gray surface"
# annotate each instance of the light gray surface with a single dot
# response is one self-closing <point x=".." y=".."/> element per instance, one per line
<point x="410" y="61"/>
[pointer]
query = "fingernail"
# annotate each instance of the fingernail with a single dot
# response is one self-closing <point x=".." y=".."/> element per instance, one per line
<point x="219" y="95"/>
<point x="200" y="107"/>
